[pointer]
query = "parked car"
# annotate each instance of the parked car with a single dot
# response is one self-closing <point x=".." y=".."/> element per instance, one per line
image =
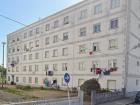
<point x="137" y="98"/>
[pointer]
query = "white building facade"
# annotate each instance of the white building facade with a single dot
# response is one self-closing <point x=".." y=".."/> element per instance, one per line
<point x="93" y="39"/>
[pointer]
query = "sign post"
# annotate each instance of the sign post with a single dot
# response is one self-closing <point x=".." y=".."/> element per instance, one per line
<point x="67" y="80"/>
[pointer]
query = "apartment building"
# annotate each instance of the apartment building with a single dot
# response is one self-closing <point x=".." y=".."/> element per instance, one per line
<point x="92" y="39"/>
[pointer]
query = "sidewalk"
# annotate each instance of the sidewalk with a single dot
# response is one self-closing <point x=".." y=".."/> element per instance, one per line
<point x="126" y="101"/>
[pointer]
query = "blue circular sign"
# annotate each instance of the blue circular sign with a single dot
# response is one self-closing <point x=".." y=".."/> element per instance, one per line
<point x="67" y="78"/>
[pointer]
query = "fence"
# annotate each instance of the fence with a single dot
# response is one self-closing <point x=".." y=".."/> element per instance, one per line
<point x="62" y="101"/>
<point x="99" y="98"/>
<point x="131" y="94"/>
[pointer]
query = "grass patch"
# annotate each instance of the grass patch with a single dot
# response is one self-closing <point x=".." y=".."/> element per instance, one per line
<point x="18" y="92"/>
<point x="26" y="88"/>
<point x="29" y="88"/>
<point x="12" y="90"/>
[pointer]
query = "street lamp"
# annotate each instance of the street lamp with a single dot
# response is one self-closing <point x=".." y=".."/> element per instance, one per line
<point x="3" y="43"/>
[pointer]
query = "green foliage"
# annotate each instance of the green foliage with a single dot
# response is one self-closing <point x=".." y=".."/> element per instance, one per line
<point x="3" y="69"/>
<point x="104" y="91"/>
<point x="11" y="90"/>
<point x="90" y="85"/>
<point x="23" y="87"/>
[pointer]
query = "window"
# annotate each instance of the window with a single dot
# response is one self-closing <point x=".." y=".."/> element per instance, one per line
<point x="82" y="66"/>
<point x="95" y="47"/>
<point x="65" y="52"/>
<point x="18" y="49"/>
<point x="138" y="63"/>
<point x="56" y="24"/>
<point x="8" y="69"/>
<point x="8" y="78"/>
<point x="55" y="53"/>
<point x="30" y="79"/>
<point x="25" y="35"/>
<point x="24" y="68"/>
<point x="137" y="82"/>
<point x="31" y="33"/>
<point x="17" y="79"/>
<point x="24" y="79"/>
<point x="37" y="43"/>
<point x="8" y="60"/>
<point x="37" y="30"/>
<point x="17" y="59"/>
<point x="13" y="40"/>
<point x="111" y="84"/>
<point x="46" y="67"/>
<point x="30" y="68"/>
<point x="98" y="9"/>
<point x="138" y="25"/>
<point x="97" y="28"/>
<point x="30" y="45"/>
<point x="83" y="14"/>
<point x="66" y="20"/>
<point x="30" y="56"/>
<point x="47" y="41"/>
<point x="55" y="38"/>
<point x="17" y="39"/>
<point x="114" y="23"/>
<point x="47" y="27"/>
<point x="46" y="54"/>
<point x="64" y="67"/>
<point x="82" y="49"/>
<point x="95" y="64"/>
<point x="115" y="4"/>
<point x="36" y="55"/>
<point x="83" y="31"/>
<point x="9" y="50"/>
<point x="25" y="47"/>
<point x="55" y="67"/>
<point x="113" y="44"/>
<point x="65" y="36"/>
<point x="36" y="80"/>
<point x="25" y="57"/>
<point x="36" y="68"/>
<point x="112" y="63"/>
<point x="13" y="50"/>
<point x="13" y="59"/>
<point x="17" y="69"/>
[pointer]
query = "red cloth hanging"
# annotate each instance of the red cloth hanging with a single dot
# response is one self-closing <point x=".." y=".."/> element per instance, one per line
<point x="98" y="71"/>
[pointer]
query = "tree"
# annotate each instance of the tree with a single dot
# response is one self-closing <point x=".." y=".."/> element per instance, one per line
<point x="90" y="85"/>
<point x="3" y="74"/>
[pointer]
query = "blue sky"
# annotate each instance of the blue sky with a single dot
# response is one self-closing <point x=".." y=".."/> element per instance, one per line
<point x="27" y="12"/>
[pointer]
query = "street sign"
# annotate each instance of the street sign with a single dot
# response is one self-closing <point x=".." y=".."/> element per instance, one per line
<point x="67" y="78"/>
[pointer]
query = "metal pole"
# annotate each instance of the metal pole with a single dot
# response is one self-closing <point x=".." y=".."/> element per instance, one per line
<point x="3" y="43"/>
<point x="68" y="94"/>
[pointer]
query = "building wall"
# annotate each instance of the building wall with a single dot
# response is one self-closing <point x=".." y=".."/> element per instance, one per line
<point x="134" y="39"/>
<point x="74" y="57"/>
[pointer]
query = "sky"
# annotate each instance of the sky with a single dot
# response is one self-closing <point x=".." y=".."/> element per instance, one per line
<point x="27" y="12"/>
